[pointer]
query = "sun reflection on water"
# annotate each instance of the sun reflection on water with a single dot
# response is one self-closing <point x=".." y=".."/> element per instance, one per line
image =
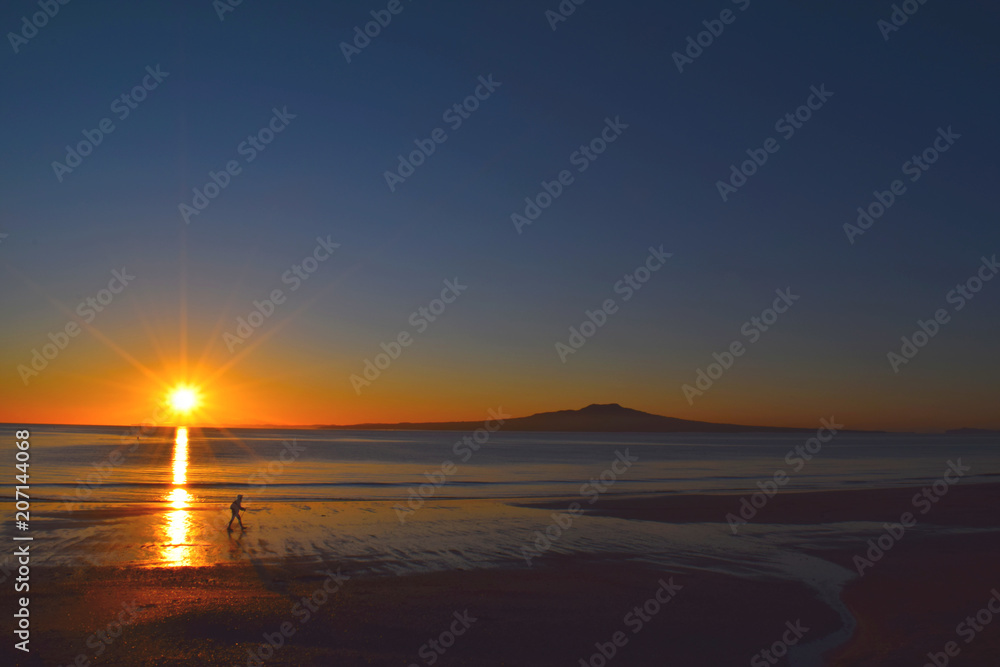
<point x="177" y="551"/>
<point x="180" y="457"/>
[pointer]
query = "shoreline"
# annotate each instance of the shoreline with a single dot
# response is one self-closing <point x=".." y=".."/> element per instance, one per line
<point x="559" y="609"/>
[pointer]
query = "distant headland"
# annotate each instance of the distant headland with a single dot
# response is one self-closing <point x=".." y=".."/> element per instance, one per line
<point x="595" y="418"/>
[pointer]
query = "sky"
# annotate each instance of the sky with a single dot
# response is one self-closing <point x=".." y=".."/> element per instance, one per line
<point x="214" y="79"/>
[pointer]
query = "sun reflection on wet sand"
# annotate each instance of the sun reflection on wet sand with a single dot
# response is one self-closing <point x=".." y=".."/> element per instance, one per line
<point x="177" y="551"/>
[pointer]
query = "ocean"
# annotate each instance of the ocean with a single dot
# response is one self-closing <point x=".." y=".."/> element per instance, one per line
<point x="101" y="465"/>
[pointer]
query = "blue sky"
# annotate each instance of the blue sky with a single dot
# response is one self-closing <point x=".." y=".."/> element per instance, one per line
<point x="324" y="175"/>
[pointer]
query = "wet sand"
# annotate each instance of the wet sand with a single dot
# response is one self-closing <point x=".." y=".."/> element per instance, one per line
<point x="909" y="603"/>
<point x="964" y="504"/>
<point x="547" y="615"/>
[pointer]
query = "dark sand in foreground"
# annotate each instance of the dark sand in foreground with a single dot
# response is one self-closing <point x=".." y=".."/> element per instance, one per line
<point x="910" y="602"/>
<point x="907" y="605"/>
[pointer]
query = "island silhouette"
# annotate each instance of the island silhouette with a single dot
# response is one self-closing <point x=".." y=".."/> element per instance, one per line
<point x="595" y="418"/>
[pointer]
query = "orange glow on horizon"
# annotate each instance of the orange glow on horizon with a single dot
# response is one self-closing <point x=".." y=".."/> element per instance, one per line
<point x="291" y="384"/>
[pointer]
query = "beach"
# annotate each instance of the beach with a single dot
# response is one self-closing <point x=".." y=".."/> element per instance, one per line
<point x="379" y="549"/>
<point x="218" y="614"/>
<point x="553" y="612"/>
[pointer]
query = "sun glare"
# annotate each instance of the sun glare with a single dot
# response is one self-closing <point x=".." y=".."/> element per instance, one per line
<point x="183" y="399"/>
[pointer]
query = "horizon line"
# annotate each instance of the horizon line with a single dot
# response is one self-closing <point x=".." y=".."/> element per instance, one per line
<point x="320" y="427"/>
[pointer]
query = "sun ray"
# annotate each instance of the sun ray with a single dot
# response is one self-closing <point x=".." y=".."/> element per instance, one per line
<point x="92" y="330"/>
<point x="273" y="329"/>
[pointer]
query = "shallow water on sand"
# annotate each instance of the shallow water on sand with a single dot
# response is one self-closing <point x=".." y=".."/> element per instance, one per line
<point x="403" y="501"/>
<point x="369" y="538"/>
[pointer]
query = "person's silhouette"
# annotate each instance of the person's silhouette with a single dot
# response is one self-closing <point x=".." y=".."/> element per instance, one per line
<point x="236" y="508"/>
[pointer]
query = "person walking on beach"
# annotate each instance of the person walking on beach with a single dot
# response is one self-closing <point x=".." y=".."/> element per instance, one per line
<point x="236" y="507"/>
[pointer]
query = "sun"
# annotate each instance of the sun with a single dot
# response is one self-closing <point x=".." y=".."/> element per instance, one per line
<point x="183" y="399"/>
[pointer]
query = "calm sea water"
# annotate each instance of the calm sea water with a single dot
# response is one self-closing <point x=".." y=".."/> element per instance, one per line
<point x="99" y="465"/>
